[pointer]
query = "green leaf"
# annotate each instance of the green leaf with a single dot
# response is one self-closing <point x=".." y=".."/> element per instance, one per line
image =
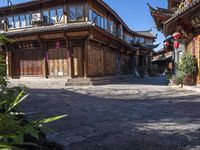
<point x="33" y="132"/>
<point x="44" y="121"/>
<point x="5" y="147"/>
<point x="17" y="101"/>
<point x="19" y="139"/>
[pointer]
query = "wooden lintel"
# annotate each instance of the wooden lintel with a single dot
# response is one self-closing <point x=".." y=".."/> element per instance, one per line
<point x="95" y="40"/>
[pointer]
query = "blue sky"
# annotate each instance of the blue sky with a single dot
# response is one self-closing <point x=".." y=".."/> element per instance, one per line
<point x="135" y="13"/>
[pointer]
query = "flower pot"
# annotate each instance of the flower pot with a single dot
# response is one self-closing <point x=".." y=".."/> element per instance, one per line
<point x="188" y="80"/>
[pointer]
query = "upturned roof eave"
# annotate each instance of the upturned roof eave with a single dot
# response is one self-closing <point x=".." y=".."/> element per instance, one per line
<point x="161" y="12"/>
<point x="179" y="15"/>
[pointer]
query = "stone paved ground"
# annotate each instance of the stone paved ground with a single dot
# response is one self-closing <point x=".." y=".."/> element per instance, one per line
<point x="139" y="115"/>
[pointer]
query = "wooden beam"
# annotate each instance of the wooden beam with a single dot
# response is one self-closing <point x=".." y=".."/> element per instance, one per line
<point x="8" y="63"/>
<point x="69" y="55"/>
<point x="45" y="58"/>
<point x="85" y="57"/>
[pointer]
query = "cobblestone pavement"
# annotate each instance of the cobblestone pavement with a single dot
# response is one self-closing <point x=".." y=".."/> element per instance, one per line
<point x="139" y="115"/>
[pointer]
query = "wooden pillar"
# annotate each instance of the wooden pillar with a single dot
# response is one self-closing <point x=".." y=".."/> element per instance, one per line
<point x="46" y="68"/>
<point x="69" y="56"/>
<point x="104" y="59"/>
<point x="43" y="49"/>
<point x="137" y="58"/>
<point x="85" y="57"/>
<point x="8" y="63"/>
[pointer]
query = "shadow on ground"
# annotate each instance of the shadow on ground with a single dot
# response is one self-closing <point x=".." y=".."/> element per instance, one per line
<point x="123" y="117"/>
<point x="160" y="80"/>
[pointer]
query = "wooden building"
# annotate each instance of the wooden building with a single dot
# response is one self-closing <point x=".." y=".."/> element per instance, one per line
<point x="163" y="60"/>
<point x="75" y="38"/>
<point x="181" y="18"/>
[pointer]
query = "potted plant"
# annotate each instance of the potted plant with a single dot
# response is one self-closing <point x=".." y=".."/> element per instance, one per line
<point x="188" y="66"/>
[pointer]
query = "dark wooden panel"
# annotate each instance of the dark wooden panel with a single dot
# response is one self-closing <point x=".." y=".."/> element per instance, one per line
<point x="110" y="62"/>
<point x="95" y="59"/>
<point x="27" y="63"/>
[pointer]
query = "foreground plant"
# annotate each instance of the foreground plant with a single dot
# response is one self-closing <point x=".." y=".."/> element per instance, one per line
<point x="16" y="132"/>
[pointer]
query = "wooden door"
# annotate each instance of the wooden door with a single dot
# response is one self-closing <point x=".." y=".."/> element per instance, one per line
<point x="57" y="62"/>
<point x="78" y="61"/>
<point x="109" y="62"/>
<point x="28" y="63"/>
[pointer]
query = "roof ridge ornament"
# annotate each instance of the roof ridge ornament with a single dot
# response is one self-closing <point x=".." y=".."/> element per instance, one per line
<point x="150" y="7"/>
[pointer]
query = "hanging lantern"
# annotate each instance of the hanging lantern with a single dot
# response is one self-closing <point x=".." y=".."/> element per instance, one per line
<point x="176" y="35"/>
<point x="57" y="45"/>
<point x="166" y="44"/>
<point x="176" y="44"/>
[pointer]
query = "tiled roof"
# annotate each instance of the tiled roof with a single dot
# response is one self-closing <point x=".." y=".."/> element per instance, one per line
<point x="22" y="4"/>
<point x="46" y="29"/>
<point x="146" y="33"/>
<point x="145" y="46"/>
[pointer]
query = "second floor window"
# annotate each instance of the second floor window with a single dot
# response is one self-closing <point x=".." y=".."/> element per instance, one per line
<point x="53" y="15"/>
<point x="10" y="22"/>
<point x="46" y="16"/>
<point x="91" y="18"/>
<point x="59" y="14"/>
<point x="98" y="19"/>
<point x="127" y="38"/>
<point x="16" y="21"/>
<point x="141" y="40"/>
<point x="112" y="28"/>
<point x="19" y="21"/>
<point x="76" y="13"/>
<point x="106" y="24"/>
<point x="28" y="19"/>
<point x="22" y="20"/>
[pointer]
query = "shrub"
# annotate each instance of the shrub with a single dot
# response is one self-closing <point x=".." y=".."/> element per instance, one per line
<point x="180" y="76"/>
<point x="188" y="68"/>
<point x="188" y="64"/>
<point x="174" y="80"/>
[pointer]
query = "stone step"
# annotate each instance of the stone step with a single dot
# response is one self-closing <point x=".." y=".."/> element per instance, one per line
<point x="62" y="82"/>
<point x="79" y="83"/>
<point x="38" y="84"/>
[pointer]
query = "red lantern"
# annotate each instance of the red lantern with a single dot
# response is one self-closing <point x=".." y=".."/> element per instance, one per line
<point x="166" y="44"/>
<point x="176" y="35"/>
<point x="176" y="44"/>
